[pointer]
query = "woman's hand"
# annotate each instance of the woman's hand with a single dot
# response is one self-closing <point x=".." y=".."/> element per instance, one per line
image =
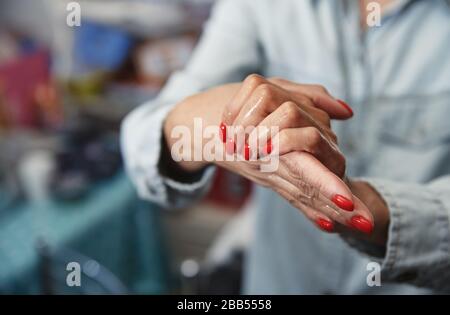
<point x="311" y="168"/>
<point x="301" y="113"/>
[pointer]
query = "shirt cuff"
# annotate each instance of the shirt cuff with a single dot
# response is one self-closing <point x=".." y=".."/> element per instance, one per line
<point x="418" y="237"/>
<point x="141" y="147"/>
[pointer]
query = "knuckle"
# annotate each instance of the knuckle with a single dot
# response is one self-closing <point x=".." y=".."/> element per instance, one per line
<point x="320" y="88"/>
<point x="305" y="101"/>
<point x="314" y="134"/>
<point x="314" y="138"/>
<point x="275" y="79"/>
<point x="254" y="80"/>
<point x="298" y="196"/>
<point x="290" y="110"/>
<point x="318" y="187"/>
<point x="296" y="116"/>
<point x="266" y="91"/>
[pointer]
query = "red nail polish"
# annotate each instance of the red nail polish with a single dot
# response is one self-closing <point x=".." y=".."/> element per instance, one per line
<point x="247" y="152"/>
<point x="343" y="202"/>
<point x="362" y="224"/>
<point x="268" y="148"/>
<point x="325" y="225"/>
<point x="346" y="106"/>
<point x="223" y="132"/>
<point x="230" y="147"/>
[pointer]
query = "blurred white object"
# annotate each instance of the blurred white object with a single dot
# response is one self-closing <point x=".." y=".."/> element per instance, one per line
<point x="235" y="235"/>
<point x="158" y="59"/>
<point x="35" y="172"/>
<point x="190" y="268"/>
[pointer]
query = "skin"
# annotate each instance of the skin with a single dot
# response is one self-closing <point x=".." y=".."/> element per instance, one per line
<point x="303" y="113"/>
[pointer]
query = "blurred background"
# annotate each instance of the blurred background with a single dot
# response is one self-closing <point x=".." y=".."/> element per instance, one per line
<point x="64" y="196"/>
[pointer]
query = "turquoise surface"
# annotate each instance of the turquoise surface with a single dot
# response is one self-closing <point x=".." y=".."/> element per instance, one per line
<point x="110" y="225"/>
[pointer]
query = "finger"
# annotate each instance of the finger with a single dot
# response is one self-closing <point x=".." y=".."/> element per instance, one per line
<point x="265" y="99"/>
<point x="315" y="114"/>
<point x="320" y="96"/>
<point x="310" y="139"/>
<point x="288" y="115"/>
<point x="288" y="192"/>
<point x="321" y="221"/>
<point x="233" y="108"/>
<point x="316" y="192"/>
<point x="315" y="180"/>
<point x="308" y="106"/>
<point x="362" y="219"/>
<point x="324" y="215"/>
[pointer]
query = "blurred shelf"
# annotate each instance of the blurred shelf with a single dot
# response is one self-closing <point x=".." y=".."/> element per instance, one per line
<point x="147" y="17"/>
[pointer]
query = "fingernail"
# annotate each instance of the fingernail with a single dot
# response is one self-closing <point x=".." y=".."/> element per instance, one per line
<point x="223" y="132"/>
<point x="325" y="225"/>
<point x="230" y="147"/>
<point x="268" y="148"/>
<point x="362" y="224"/>
<point x="343" y="202"/>
<point x="346" y="106"/>
<point x="247" y="152"/>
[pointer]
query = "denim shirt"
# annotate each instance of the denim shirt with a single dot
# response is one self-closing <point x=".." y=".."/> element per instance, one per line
<point x="395" y="76"/>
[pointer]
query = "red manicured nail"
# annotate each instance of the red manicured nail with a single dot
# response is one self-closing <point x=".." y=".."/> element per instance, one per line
<point x="346" y="106"/>
<point x="247" y="152"/>
<point x="223" y="132"/>
<point x="268" y="148"/>
<point x="230" y="147"/>
<point x="325" y="225"/>
<point x="362" y="224"/>
<point x="343" y="202"/>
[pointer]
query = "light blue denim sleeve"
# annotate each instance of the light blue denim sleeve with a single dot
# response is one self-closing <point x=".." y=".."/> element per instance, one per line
<point x="227" y="51"/>
<point x="418" y="246"/>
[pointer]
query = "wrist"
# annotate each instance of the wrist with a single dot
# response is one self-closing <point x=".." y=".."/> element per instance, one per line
<point x="183" y="157"/>
<point x="208" y="106"/>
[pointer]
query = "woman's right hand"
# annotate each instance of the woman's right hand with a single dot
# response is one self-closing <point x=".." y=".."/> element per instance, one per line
<point x="310" y="169"/>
